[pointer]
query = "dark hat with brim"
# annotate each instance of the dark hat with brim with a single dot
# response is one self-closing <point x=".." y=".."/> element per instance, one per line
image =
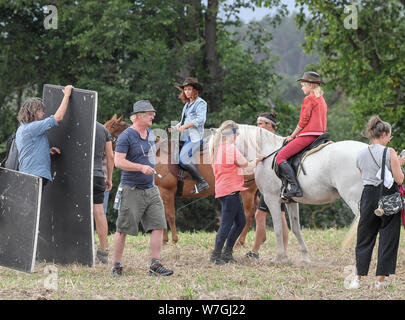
<point x="312" y="77"/>
<point x="190" y="82"/>
<point x="142" y="106"/>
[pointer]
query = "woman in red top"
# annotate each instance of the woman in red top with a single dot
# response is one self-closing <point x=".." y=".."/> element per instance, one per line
<point x="227" y="162"/>
<point x="312" y="124"/>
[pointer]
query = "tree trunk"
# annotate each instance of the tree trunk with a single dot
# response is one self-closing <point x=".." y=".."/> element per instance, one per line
<point x="189" y="30"/>
<point x="216" y="73"/>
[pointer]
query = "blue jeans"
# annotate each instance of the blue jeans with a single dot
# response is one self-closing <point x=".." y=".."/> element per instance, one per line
<point x="233" y="221"/>
<point x="187" y="151"/>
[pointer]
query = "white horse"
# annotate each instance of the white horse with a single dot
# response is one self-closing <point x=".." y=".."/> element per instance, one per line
<point x="331" y="173"/>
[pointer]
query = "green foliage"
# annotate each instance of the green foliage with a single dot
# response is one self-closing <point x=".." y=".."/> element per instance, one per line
<point x="130" y="50"/>
<point x="367" y="62"/>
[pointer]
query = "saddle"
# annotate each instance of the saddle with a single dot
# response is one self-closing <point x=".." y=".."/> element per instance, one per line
<point x="175" y="169"/>
<point x="296" y="161"/>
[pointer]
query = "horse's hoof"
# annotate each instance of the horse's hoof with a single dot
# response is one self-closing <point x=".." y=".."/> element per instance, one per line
<point x="239" y="244"/>
<point x="305" y="260"/>
<point x="279" y="260"/>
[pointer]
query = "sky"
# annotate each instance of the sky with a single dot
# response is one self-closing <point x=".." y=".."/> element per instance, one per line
<point x="248" y="14"/>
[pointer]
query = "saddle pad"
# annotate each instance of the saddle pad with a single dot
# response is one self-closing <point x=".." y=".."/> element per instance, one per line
<point x="309" y="152"/>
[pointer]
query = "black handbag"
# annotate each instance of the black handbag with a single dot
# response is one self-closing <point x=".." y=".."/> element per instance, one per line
<point x="388" y="204"/>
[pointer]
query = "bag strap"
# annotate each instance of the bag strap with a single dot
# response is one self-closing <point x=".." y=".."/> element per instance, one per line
<point x="373" y="157"/>
<point x="383" y="171"/>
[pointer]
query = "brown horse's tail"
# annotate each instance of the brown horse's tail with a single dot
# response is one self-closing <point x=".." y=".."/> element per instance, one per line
<point x="351" y="234"/>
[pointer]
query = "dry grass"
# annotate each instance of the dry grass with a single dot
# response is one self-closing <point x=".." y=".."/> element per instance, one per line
<point x="196" y="278"/>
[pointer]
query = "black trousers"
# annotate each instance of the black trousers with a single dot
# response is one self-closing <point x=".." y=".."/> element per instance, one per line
<point x="370" y="225"/>
<point x="233" y="221"/>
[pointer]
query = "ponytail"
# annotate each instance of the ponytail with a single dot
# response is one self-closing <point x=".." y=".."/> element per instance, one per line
<point x="226" y="125"/>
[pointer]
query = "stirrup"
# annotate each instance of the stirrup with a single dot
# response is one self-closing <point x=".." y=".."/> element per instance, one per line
<point x="196" y="190"/>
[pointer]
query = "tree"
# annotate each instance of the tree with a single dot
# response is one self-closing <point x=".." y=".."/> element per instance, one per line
<point x="362" y="48"/>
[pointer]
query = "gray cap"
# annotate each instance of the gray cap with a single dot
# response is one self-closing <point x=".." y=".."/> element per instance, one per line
<point x="142" y="106"/>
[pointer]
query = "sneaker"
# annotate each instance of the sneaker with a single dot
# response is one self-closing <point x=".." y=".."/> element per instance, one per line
<point x="217" y="261"/>
<point x="227" y="256"/>
<point x="157" y="269"/>
<point x="102" y="256"/>
<point x="216" y="257"/>
<point x="355" y="284"/>
<point x="252" y="254"/>
<point x="117" y="270"/>
<point x="380" y="285"/>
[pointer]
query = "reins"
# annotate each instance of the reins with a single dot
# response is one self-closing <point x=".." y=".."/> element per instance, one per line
<point x="276" y="151"/>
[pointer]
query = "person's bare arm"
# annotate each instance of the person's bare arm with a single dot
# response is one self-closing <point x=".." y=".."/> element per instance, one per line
<point x="242" y="162"/>
<point x="109" y="153"/>
<point x="60" y="113"/>
<point x="396" y="167"/>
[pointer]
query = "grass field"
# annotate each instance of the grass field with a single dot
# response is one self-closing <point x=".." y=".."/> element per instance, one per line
<point x="196" y="278"/>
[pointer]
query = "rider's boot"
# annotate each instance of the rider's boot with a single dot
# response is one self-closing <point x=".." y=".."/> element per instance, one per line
<point x="202" y="184"/>
<point x="289" y="174"/>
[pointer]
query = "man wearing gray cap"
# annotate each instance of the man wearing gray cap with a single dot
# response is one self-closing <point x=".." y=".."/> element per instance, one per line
<point x="140" y="199"/>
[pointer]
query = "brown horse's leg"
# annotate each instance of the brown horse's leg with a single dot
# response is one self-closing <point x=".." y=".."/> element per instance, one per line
<point x="170" y="216"/>
<point x="166" y="202"/>
<point x="248" y="198"/>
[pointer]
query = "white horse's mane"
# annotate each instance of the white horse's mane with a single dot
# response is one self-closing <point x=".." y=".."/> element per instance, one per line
<point x="259" y="139"/>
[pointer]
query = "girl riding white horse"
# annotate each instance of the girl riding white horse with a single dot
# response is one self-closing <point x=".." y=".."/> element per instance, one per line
<point x="331" y="173"/>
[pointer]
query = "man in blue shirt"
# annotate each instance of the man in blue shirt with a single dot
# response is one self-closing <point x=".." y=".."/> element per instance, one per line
<point x="31" y="140"/>
<point x="140" y="201"/>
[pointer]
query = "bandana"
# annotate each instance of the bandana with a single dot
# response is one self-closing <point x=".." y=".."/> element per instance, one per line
<point x="228" y="133"/>
<point x="267" y="120"/>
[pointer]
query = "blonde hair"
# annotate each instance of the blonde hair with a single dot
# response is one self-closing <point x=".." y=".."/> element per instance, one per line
<point x="315" y="88"/>
<point x="226" y="125"/>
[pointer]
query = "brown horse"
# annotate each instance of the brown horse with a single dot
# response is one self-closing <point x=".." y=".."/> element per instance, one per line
<point x="166" y="180"/>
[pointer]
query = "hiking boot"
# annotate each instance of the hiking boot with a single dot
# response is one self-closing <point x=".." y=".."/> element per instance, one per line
<point x="117" y="270"/>
<point x="227" y="256"/>
<point x="216" y="257"/>
<point x="252" y="254"/>
<point x="157" y="269"/>
<point x="102" y="256"/>
<point x="288" y="172"/>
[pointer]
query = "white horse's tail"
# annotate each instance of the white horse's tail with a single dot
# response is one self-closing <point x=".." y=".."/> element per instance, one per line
<point x="351" y="234"/>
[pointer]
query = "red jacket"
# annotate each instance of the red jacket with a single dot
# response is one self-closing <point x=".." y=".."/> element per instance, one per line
<point x="313" y="116"/>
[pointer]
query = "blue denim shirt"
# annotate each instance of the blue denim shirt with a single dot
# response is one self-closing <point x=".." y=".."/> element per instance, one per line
<point x="33" y="147"/>
<point x="196" y="113"/>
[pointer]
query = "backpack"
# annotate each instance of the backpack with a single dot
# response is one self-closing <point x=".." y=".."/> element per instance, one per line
<point x="11" y="159"/>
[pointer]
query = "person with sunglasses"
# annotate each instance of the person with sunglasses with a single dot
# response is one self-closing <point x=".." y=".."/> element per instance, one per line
<point x="135" y="155"/>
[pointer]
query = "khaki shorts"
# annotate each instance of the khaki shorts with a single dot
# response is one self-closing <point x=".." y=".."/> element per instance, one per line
<point x="138" y="205"/>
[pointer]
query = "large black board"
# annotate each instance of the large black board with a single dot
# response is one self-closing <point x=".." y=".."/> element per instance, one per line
<point x="20" y="199"/>
<point x="66" y="223"/>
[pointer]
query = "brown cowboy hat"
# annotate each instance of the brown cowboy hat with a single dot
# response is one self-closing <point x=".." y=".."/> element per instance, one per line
<point x="312" y="77"/>
<point x="190" y="82"/>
